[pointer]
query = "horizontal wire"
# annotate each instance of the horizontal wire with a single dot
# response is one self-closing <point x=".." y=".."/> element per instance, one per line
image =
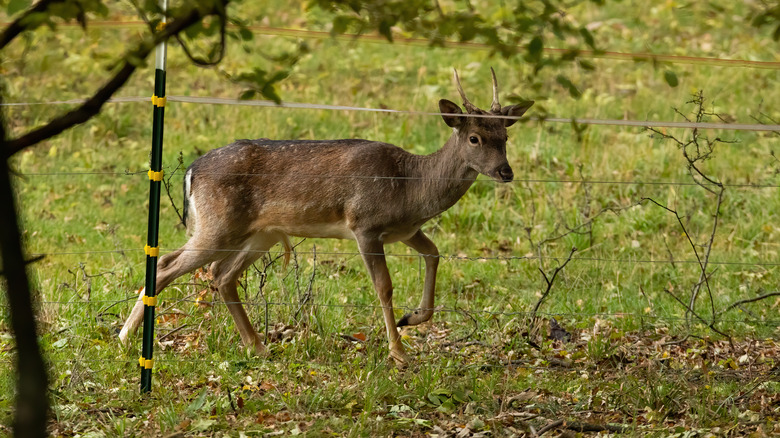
<point x="166" y="357"/>
<point x="443" y="257"/>
<point x="408" y="178"/>
<point x="612" y="55"/>
<point x="616" y="315"/>
<point x="295" y="105"/>
<point x="399" y="40"/>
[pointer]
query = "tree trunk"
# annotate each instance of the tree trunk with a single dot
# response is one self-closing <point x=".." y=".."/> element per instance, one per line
<point x="32" y="403"/>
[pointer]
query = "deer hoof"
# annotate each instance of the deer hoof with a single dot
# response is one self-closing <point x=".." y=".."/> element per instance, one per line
<point x="255" y="346"/>
<point x="414" y="318"/>
<point x="400" y="358"/>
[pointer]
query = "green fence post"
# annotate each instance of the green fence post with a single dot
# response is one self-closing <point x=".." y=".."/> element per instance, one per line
<point x="152" y="249"/>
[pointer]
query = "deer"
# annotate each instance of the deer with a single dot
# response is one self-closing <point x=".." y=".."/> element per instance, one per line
<point x="243" y="198"/>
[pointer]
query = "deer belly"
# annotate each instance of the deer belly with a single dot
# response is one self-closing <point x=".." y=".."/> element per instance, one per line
<point x="335" y="230"/>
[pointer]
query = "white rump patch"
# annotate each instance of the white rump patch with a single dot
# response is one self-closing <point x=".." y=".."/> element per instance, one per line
<point x="192" y="213"/>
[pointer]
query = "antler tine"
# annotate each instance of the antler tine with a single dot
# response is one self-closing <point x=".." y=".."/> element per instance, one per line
<point x="469" y="106"/>
<point x="495" y="107"/>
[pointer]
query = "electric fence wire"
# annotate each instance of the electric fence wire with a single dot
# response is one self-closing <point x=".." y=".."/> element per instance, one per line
<point x="207" y="100"/>
<point x="443" y="257"/>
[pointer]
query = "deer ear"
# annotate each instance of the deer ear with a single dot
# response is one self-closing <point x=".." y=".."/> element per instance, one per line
<point x="515" y="111"/>
<point x="449" y="107"/>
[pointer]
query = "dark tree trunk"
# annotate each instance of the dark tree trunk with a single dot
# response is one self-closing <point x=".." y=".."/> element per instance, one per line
<point x="32" y="403"/>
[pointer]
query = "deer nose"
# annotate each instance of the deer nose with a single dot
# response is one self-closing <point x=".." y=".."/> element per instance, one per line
<point x="505" y="172"/>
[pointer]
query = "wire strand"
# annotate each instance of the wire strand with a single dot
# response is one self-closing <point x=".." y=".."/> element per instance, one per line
<point x="443" y="257"/>
<point x="296" y="105"/>
<point x="484" y="312"/>
<point x="399" y="40"/>
<point x="405" y="178"/>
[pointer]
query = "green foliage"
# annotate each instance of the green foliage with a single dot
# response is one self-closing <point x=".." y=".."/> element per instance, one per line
<point x="671" y="78"/>
<point x="15" y="6"/>
<point x="768" y="16"/>
<point x="506" y="29"/>
<point x="261" y="83"/>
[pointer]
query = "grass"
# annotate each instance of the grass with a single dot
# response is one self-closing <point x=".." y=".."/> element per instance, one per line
<point x="620" y="366"/>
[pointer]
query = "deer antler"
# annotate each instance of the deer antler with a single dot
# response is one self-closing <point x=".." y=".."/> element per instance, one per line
<point x="470" y="108"/>
<point x="495" y="107"/>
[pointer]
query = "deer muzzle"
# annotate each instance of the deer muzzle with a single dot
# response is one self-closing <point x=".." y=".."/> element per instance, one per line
<point x="505" y="173"/>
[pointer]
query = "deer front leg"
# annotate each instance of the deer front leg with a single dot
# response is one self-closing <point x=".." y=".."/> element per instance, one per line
<point x="373" y="253"/>
<point x="422" y="244"/>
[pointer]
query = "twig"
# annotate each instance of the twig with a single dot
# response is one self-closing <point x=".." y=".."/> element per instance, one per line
<point x="203" y="62"/>
<point x="476" y="328"/>
<point x="711" y="325"/>
<point x="549" y="427"/>
<point x="177" y="329"/>
<point x="759" y="381"/>
<point x="550" y="281"/>
<point x="308" y="294"/>
<point x="230" y="398"/>
<point x="264" y="275"/>
<point x="26" y="262"/>
<point x="167" y="184"/>
<point x="751" y="300"/>
<point x="582" y="427"/>
<point x="17" y="27"/>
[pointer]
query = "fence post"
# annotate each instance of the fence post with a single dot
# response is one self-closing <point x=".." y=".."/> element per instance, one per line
<point x="152" y="248"/>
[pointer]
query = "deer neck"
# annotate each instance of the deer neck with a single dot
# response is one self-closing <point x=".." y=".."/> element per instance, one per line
<point x="441" y="179"/>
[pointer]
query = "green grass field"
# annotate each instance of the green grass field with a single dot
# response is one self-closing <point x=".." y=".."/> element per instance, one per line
<point x="483" y="365"/>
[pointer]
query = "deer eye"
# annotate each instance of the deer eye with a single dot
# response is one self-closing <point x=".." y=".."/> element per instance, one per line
<point x="474" y="139"/>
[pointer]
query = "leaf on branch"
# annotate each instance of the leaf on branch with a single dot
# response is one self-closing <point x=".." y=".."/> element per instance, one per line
<point x="15" y="6"/>
<point x="259" y="81"/>
<point x="535" y="48"/>
<point x="671" y="78"/>
<point x="247" y="95"/>
<point x="567" y="84"/>
<point x="588" y="38"/>
<point x="586" y="65"/>
<point x="35" y="20"/>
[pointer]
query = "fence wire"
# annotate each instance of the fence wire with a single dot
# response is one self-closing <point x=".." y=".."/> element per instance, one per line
<point x="418" y="42"/>
<point x="561" y="316"/>
<point x="312" y="106"/>
<point x="180" y="175"/>
<point x="443" y="257"/>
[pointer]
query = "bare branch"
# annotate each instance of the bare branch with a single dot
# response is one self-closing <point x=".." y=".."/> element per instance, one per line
<point x="17" y="27"/>
<point x="551" y="280"/>
<point x="167" y="185"/>
<point x="468" y="336"/>
<point x="203" y="62"/>
<point x="92" y="106"/>
<point x="751" y="300"/>
<point x="711" y="325"/>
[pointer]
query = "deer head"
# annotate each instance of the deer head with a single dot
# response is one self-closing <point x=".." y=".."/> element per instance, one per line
<point x="481" y="141"/>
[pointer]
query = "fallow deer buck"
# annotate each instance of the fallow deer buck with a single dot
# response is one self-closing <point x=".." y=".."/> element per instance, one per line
<point x="243" y="198"/>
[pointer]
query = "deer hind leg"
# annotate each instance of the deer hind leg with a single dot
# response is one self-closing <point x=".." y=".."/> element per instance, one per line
<point x="422" y="244"/>
<point x="374" y="257"/>
<point x="170" y="267"/>
<point x="226" y="273"/>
